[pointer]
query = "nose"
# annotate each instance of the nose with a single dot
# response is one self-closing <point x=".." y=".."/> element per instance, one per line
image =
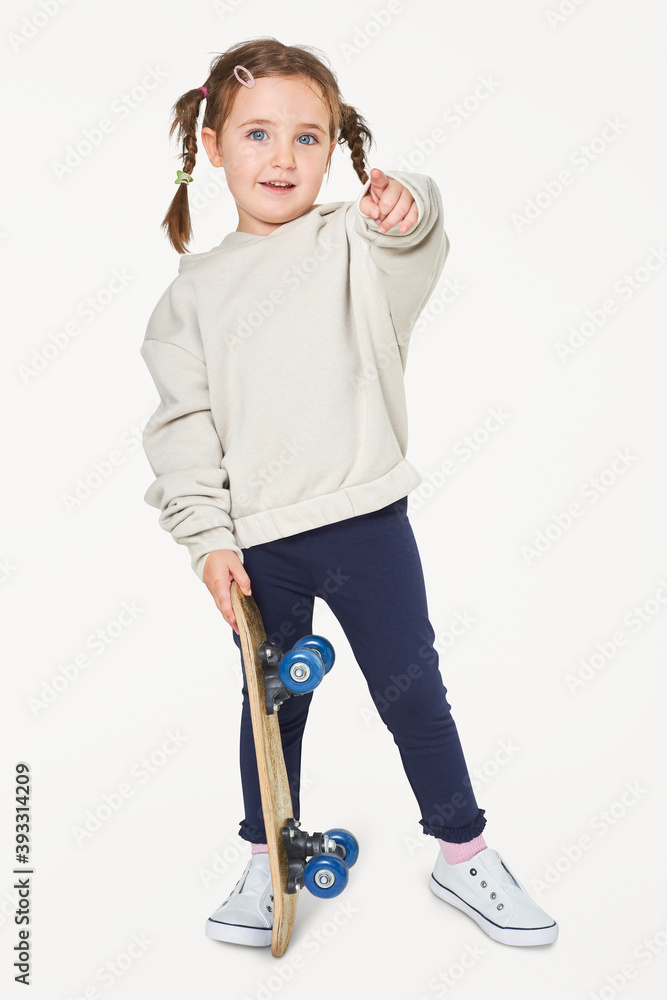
<point x="282" y="154"/>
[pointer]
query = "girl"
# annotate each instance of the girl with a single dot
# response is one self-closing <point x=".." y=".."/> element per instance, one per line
<point x="279" y="444"/>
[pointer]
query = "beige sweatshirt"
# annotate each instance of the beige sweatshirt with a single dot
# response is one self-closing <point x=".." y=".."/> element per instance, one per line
<point x="279" y="361"/>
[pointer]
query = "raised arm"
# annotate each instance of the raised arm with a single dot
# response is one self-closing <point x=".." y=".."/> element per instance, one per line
<point x="405" y="267"/>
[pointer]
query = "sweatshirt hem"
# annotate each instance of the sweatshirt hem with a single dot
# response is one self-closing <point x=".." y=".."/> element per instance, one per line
<point x="351" y="501"/>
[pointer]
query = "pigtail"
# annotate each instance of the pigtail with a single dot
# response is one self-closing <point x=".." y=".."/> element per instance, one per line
<point x="355" y="132"/>
<point x="177" y="222"/>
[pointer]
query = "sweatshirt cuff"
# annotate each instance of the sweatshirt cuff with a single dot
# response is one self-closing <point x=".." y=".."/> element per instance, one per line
<point x="370" y="228"/>
<point x="210" y="540"/>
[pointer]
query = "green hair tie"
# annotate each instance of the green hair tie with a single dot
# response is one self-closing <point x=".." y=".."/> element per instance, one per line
<point x="182" y="177"/>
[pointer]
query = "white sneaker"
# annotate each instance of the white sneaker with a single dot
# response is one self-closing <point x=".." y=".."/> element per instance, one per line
<point x="490" y="893"/>
<point x="246" y="916"/>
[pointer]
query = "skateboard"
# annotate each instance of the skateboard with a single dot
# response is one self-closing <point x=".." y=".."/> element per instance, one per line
<point x="272" y="676"/>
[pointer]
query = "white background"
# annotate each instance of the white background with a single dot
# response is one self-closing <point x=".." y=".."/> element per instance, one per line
<point x="68" y="571"/>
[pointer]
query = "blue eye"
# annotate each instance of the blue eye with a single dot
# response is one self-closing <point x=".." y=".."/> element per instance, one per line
<point x="306" y="135"/>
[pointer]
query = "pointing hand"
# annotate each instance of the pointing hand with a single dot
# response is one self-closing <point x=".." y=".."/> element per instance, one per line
<point x="389" y="202"/>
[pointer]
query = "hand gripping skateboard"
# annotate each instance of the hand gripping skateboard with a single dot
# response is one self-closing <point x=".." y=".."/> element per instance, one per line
<point x="273" y="676"/>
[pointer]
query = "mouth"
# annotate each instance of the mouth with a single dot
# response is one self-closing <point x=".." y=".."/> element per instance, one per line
<point x="277" y="188"/>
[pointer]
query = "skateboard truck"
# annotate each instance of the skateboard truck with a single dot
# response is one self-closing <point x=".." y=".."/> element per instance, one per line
<point x="275" y="692"/>
<point x="331" y="855"/>
<point x="297" y="671"/>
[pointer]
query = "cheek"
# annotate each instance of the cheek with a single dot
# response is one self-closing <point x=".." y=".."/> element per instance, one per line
<point x="311" y="161"/>
<point x="243" y="160"/>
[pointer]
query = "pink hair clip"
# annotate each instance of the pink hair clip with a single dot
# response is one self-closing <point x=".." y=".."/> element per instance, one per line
<point x="204" y="89"/>
<point x="246" y="83"/>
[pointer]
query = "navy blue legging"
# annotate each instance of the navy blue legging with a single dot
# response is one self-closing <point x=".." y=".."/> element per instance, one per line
<point x="368" y="570"/>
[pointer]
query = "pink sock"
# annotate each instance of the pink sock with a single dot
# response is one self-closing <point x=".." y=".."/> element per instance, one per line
<point x="260" y="848"/>
<point x="455" y="853"/>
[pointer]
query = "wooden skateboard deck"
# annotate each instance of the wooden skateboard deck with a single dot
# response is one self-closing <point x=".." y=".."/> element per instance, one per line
<point x="273" y="783"/>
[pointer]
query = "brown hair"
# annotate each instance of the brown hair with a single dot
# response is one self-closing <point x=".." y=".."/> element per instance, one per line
<point x="264" y="56"/>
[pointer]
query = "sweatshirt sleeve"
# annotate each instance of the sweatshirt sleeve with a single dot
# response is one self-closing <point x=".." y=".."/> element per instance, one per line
<point x="180" y="440"/>
<point x="405" y="267"/>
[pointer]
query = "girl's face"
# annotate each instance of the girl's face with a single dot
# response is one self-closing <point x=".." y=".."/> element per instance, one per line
<point x="277" y="131"/>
